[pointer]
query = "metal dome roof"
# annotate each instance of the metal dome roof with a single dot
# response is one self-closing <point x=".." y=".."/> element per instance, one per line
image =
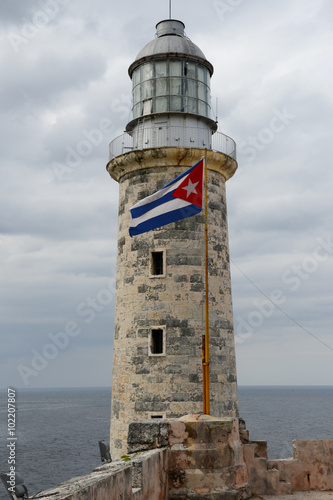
<point x="170" y="41"/>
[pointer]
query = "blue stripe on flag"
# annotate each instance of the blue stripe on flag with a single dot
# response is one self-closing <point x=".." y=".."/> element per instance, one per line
<point x="138" y="211"/>
<point x="163" y="219"/>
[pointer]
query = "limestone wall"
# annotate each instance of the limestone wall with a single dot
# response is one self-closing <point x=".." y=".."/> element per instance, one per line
<point x="311" y="468"/>
<point x="142" y="477"/>
<point x="196" y="457"/>
<point x="209" y="456"/>
<point x="205" y="458"/>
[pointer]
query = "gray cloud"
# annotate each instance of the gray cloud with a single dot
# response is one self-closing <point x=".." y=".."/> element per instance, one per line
<point x="13" y="12"/>
<point x="65" y="94"/>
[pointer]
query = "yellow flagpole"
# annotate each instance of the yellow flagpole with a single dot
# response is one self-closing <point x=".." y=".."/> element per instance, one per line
<point x="206" y="389"/>
<point x="204" y="376"/>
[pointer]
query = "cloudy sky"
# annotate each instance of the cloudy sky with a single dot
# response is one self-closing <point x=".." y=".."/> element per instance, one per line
<point x="65" y="94"/>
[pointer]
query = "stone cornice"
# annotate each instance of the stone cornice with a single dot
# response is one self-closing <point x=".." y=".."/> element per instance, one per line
<point x="170" y="157"/>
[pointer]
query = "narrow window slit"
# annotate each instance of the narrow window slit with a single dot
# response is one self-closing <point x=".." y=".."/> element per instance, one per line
<point x="157" y="267"/>
<point x="157" y="341"/>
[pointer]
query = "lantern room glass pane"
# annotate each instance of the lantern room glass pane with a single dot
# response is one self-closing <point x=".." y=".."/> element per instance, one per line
<point x="160" y="69"/>
<point x="161" y="86"/>
<point x="175" y="104"/>
<point x="202" y="73"/>
<point x="202" y="91"/>
<point x="175" y="86"/>
<point x="175" y="68"/>
<point x="203" y="108"/>
<point x="191" y="70"/>
<point x="136" y="111"/>
<point x="147" y="89"/>
<point x="136" y="94"/>
<point x="192" y="106"/>
<point x="161" y="105"/>
<point x="136" y="77"/>
<point x="147" y="71"/>
<point x="147" y="107"/>
<point x="192" y="86"/>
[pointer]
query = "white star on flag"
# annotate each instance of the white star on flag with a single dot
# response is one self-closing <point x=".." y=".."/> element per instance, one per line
<point x="190" y="188"/>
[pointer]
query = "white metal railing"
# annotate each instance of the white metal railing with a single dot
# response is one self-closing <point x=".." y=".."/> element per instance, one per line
<point x="120" y="145"/>
<point x="224" y="144"/>
<point x="152" y="137"/>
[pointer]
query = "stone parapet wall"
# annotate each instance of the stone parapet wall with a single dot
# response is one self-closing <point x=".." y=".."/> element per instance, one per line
<point x="143" y="476"/>
<point x="201" y="457"/>
<point x="311" y="468"/>
<point x="212" y="457"/>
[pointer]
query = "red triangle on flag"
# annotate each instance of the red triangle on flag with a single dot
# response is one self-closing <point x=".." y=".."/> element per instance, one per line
<point x="192" y="186"/>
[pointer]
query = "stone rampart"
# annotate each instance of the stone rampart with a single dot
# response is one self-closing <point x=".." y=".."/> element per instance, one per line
<point x="201" y="457"/>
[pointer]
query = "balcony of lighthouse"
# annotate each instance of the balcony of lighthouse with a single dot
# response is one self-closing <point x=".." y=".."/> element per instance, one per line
<point x="157" y="136"/>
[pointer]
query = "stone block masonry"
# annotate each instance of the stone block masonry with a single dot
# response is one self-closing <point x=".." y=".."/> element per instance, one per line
<point x="206" y="459"/>
<point x="169" y="384"/>
<point x="311" y="467"/>
<point x="140" y="476"/>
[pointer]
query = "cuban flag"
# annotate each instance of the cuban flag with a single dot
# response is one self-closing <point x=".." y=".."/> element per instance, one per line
<point x="179" y="199"/>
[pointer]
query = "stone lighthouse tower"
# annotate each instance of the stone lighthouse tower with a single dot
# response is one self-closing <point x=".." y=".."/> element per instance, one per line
<point x="159" y="318"/>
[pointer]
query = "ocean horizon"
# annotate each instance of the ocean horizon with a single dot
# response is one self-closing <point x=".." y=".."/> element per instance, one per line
<point x="58" y="429"/>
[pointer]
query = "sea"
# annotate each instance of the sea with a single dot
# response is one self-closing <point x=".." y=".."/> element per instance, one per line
<point x="58" y="430"/>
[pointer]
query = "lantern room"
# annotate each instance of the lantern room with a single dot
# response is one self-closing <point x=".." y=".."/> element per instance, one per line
<point x="170" y="84"/>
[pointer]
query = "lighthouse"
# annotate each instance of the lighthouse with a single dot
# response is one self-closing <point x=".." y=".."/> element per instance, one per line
<point x="160" y="284"/>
